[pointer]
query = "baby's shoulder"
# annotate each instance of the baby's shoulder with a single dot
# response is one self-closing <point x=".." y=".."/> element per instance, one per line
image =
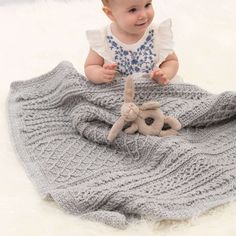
<point x="163" y="34"/>
<point x="163" y="40"/>
<point x="97" y="42"/>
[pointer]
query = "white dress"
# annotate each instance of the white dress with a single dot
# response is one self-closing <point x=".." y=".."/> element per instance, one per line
<point x="135" y="59"/>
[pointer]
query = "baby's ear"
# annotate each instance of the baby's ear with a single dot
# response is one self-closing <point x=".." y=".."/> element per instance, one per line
<point x="108" y="12"/>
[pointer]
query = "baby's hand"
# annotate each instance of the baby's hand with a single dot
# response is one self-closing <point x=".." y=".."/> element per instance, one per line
<point x="109" y="72"/>
<point x="159" y="76"/>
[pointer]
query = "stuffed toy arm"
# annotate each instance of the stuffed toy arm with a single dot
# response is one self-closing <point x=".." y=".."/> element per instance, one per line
<point x="132" y="129"/>
<point x="116" y="128"/>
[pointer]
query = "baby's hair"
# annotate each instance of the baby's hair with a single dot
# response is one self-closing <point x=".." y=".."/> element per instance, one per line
<point x="105" y="2"/>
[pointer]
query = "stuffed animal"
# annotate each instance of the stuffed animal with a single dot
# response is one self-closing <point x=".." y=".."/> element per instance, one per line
<point x="147" y="119"/>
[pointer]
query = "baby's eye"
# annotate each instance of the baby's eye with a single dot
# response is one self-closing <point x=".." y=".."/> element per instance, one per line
<point x="132" y="10"/>
<point x="148" y="5"/>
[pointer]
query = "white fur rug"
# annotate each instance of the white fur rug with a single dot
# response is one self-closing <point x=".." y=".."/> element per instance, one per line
<point x="36" y="37"/>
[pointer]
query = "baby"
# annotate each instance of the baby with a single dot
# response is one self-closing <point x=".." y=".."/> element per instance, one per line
<point x="131" y="44"/>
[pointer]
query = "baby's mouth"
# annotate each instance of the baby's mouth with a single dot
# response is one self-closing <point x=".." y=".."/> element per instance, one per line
<point x="141" y="24"/>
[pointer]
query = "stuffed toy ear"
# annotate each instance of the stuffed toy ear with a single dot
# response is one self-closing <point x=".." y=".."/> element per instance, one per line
<point x="116" y="128"/>
<point x="151" y="105"/>
<point x="129" y="90"/>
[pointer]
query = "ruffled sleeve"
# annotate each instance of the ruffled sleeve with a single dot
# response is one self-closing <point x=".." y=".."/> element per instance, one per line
<point x="97" y="42"/>
<point x="163" y="40"/>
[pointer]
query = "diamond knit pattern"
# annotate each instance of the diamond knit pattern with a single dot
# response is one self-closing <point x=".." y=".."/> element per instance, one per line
<point x="59" y="123"/>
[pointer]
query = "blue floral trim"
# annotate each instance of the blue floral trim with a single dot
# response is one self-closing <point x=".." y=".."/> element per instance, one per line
<point x="134" y="61"/>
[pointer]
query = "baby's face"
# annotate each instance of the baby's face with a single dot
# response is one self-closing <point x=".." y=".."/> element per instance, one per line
<point x="132" y="16"/>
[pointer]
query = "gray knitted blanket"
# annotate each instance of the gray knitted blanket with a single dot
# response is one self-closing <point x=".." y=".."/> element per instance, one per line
<point x="59" y="123"/>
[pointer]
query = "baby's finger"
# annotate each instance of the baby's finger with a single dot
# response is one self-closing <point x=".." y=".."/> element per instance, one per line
<point x="167" y="81"/>
<point x="108" y="78"/>
<point x="154" y="74"/>
<point x="158" y="73"/>
<point x="163" y="81"/>
<point x="109" y="66"/>
<point x="110" y="72"/>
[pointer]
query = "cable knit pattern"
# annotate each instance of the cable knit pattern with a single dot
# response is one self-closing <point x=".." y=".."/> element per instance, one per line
<point x="59" y="124"/>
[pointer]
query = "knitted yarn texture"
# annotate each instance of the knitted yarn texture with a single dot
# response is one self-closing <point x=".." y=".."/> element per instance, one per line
<point x="59" y="123"/>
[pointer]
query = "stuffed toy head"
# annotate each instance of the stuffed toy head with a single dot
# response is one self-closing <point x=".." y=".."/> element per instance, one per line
<point x="129" y="111"/>
<point x="147" y="119"/>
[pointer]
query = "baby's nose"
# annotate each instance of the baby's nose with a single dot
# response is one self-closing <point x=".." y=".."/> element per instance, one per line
<point x="142" y="15"/>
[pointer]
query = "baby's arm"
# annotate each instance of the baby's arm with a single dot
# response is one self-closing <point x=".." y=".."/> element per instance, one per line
<point x="167" y="70"/>
<point x="96" y="71"/>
